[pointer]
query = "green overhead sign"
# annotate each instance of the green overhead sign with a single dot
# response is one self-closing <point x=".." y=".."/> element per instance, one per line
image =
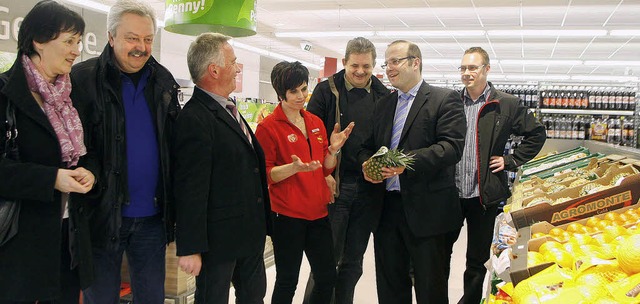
<point x="236" y="18"/>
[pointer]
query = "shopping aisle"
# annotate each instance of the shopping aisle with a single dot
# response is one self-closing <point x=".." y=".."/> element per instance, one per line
<point x="366" y="289"/>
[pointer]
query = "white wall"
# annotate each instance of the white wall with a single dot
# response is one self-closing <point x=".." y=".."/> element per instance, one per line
<point x="174" y="56"/>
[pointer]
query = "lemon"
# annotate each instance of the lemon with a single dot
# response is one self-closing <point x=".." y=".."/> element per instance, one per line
<point x="581" y="239"/>
<point x="574" y="227"/>
<point x="612" y="232"/>
<point x="534" y="258"/>
<point x="560" y="257"/>
<point x="629" y="254"/>
<point x="549" y="246"/>
<point x="612" y="216"/>
<point x="555" y="232"/>
<point x="524" y="293"/>
<point x="593" y="292"/>
<point x="592" y="222"/>
<point x="592" y="279"/>
<point x="538" y="235"/>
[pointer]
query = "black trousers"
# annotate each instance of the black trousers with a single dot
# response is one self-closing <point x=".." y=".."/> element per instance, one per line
<point x="480" y="225"/>
<point x="291" y="237"/>
<point x="247" y="274"/>
<point x="350" y="218"/>
<point x="395" y="247"/>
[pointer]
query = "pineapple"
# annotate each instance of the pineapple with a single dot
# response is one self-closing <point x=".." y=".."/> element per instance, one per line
<point x="387" y="158"/>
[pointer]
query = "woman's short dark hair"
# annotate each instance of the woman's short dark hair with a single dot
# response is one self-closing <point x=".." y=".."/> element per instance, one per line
<point x="46" y="20"/>
<point x="288" y="75"/>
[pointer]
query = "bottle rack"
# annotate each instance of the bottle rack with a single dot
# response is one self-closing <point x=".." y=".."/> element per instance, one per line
<point x="592" y="112"/>
<point x="584" y="106"/>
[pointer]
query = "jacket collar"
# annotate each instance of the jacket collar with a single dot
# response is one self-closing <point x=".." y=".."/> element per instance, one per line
<point x="378" y="88"/>
<point x="213" y="105"/>
<point x="107" y="63"/>
<point x="278" y="114"/>
<point x="17" y="91"/>
<point x="491" y="91"/>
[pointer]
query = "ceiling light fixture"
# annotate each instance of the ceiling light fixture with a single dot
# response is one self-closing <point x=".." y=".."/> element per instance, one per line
<point x="624" y="33"/>
<point x="547" y="33"/>
<point x="432" y="34"/>
<point x="611" y="63"/>
<point x="100" y="7"/>
<point x="273" y="55"/>
<point x="324" y="34"/>
<point x="540" y="62"/>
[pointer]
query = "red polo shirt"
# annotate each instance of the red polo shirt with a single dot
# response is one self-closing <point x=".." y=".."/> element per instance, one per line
<point x="304" y="195"/>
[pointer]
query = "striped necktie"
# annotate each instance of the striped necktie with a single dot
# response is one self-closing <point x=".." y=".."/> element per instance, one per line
<point x="234" y="110"/>
<point x="393" y="183"/>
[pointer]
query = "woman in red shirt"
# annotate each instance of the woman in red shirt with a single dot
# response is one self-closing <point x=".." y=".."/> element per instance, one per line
<point x="298" y="156"/>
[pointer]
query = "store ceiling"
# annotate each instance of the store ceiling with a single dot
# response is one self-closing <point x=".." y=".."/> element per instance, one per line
<point x="581" y="42"/>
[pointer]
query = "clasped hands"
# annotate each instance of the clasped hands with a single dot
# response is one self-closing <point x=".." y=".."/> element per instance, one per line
<point x="78" y="180"/>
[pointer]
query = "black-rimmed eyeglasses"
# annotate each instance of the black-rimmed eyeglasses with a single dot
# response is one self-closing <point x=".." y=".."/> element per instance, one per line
<point x="394" y="62"/>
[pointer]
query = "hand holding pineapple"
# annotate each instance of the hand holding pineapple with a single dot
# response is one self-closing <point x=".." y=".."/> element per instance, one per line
<point x="386" y="163"/>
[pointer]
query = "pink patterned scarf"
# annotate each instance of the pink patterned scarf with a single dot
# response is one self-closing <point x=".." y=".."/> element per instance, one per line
<point x="59" y="110"/>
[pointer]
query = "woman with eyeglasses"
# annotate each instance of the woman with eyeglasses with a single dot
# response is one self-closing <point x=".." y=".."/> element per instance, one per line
<point x="49" y="259"/>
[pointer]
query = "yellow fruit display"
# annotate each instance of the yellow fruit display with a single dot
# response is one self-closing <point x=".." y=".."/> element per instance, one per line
<point x="534" y="258"/>
<point x="574" y="227"/>
<point x="593" y="292"/>
<point x="581" y="239"/>
<point x="560" y="257"/>
<point x="592" y="222"/>
<point x="550" y="246"/>
<point x="612" y="216"/>
<point x="629" y="254"/>
<point x="538" y="235"/>
<point x="613" y="231"/>
<point x="555" y="231"/>
<point x="626" y="290"/>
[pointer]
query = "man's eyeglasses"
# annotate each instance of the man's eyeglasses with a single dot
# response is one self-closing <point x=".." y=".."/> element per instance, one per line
<point x="395" y="62"/>
<point x="470" y="68"/>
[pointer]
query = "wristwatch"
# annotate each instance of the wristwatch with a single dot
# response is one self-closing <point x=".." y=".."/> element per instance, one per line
<point x="335" y="153"/>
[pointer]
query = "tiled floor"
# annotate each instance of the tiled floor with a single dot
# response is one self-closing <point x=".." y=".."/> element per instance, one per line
<point x="366" y="289"/>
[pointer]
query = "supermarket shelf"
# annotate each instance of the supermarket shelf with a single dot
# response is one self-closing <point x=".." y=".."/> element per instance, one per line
<point x="586" y="112"/>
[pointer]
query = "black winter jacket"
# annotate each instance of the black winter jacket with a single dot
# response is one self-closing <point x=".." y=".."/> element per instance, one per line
<point x="500" y="117"/>
<point x="97" y="97"/>
<point x="323" y="104"/>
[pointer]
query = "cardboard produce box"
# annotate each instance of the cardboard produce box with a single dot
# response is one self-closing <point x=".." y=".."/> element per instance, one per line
<point x="579" y="207"/>
<point x="519" y="269"/>
<point x="176" y="281"/>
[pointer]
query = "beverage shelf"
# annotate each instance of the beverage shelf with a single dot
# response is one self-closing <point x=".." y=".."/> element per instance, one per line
<point x="587" y="112"/>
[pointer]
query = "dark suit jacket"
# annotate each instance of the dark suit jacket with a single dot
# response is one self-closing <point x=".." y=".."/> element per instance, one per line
<point x="434" y="131"/>
<point x="221" y="196"/>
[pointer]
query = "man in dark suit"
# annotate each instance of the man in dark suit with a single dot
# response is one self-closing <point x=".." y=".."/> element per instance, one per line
<point x="222" y="201"/>
<point x="420" y="213"/>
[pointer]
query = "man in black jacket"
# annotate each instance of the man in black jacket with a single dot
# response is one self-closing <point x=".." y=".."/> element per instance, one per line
<point x="492" y="117"/>
<point x="220" y="182"/>
<point x="351" y="215"/>
<point x="420" y="210"/>
<point x="128" y="103"/>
